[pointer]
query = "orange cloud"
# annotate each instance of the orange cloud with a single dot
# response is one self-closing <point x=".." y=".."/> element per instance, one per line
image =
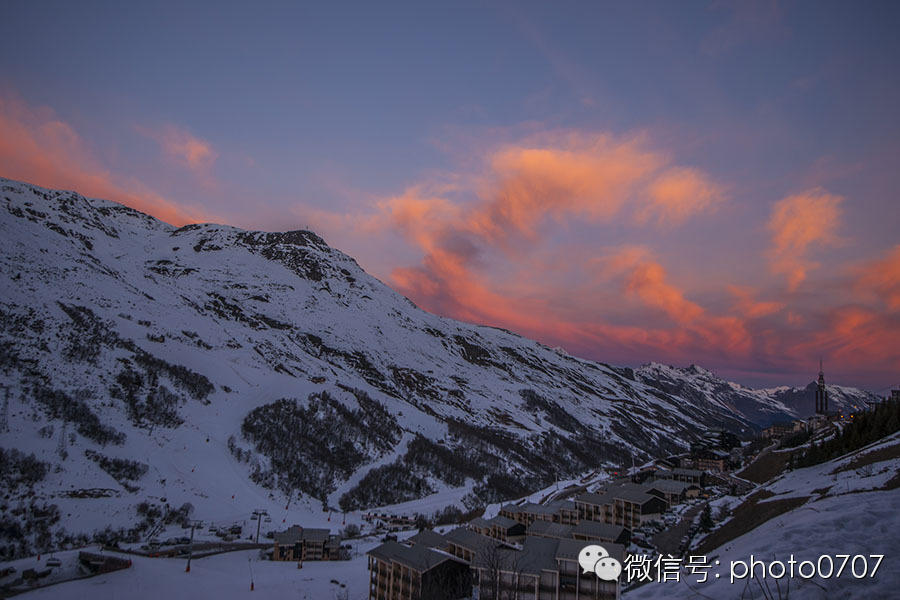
<point x="592" y="178"/>
<point x="679" y="193"/>
<point x="482" y="258"/>
<point x="648" y="282"/>
<point x="38" y="147"/>
<point x="182" y="146"/>
<point x="798" y="222"/>
<point x="883" y="277"/>
<point x="644" y="278"/>
<point x="562" y="177"/>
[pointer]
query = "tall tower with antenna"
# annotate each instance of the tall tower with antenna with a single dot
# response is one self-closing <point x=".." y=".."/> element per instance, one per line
<point x="821" y="393"/>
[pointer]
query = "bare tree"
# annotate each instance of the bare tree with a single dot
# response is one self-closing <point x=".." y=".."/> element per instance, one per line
<point x="495" y="564"/>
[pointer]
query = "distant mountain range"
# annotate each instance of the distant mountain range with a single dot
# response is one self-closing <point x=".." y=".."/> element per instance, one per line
<point x="762" y="407"/>
<point x="212" y="359"/>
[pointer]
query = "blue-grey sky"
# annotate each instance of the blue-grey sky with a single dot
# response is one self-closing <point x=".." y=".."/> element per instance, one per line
<point x="710" y="182"/>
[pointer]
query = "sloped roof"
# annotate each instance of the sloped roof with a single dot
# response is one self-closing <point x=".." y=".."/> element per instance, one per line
<point x="504" y="522"/>
<point x="594" y="498"/>
<point x="295" y="534"/>
<point x="290" y="536"/>
<point x="598" y="530"/>
<point x="558" y="505"/>
<point x="538" y="509"/>
<point x="537" y="555"/>
<point x="668" y="486"/>
<point x="418" y="558"/>
<point x="549" y="529"/>
<point x="469" y="539"/>
<point x="428" y="538"/>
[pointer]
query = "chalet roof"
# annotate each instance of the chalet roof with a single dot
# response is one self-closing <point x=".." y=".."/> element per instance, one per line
<point x="417" y="558"/>
<point x="558" y="505"/>
<point x="629" y="492"/>
<point x="468" y="539"/>
<point x="598" y="530"/>
<point x="480" y="523"/>
<point x="315" y="535"/>
<point x="538" y="509"/>
<point x="427" y="538"/>
<point x="296" y="534"/>
<point x="632" y="495"/>
<point x="290" y="536"/>
<point x="503" y="522"/>
<point x="549" y="529"/>
<point x="668" y="486"/>
<point x="594" y="498"/>
<point x="537" y="555"/>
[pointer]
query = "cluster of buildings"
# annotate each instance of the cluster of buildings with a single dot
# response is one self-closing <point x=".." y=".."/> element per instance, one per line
<point x="528" y="551"/>
<point x="431" y="565"/>
<point x="629" y="504"/>
<point x="777" y="431"/>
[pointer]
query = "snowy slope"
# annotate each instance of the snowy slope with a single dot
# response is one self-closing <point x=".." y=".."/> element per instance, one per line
<point x="237" y="370"/>
<point x="850" y="508"/>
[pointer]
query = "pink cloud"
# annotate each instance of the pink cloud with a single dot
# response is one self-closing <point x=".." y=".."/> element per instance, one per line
<point x="36" y="146"/>
<point x="882" y="276"/>
<point x="797" y="223"/>
<point x="490" y="255"/>
<point x="678" y="194"/>
<point x="183" y="147"/>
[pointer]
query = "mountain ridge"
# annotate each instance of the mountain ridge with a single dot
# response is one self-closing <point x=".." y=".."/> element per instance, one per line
<point x="276" y="359"/>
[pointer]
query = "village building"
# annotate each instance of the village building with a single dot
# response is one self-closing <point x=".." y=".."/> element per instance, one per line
<point x="566" y="512"/>
<point x="558" y="511"/>
<point x="398" y="572"/>
<point x="672" y="491"/>
<point x="632" y="508"/>
<point x="783" y="429"/>
<point x="593" y="506"/>
<point x="544" y="569"/>
<point x="427" y="538"/>
<point x="626" y="504"/>
<point x="500" y="528"/>
<point x="303" y="543"/>
<point x="716" y="461"/>
<point x="695" y="476"/>
<point x="465" y="544"/>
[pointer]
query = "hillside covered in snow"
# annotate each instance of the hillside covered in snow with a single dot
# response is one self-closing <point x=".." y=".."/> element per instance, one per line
<point x="151" y="366"/>
<point x="846" y="507"/>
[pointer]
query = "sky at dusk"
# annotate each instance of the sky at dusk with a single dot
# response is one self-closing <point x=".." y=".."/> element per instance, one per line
<point x="682" y="182"/>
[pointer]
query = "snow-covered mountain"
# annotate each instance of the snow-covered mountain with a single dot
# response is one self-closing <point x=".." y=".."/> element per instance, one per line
<point x="234" y="369"/>
<point x="760" y="406"/>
